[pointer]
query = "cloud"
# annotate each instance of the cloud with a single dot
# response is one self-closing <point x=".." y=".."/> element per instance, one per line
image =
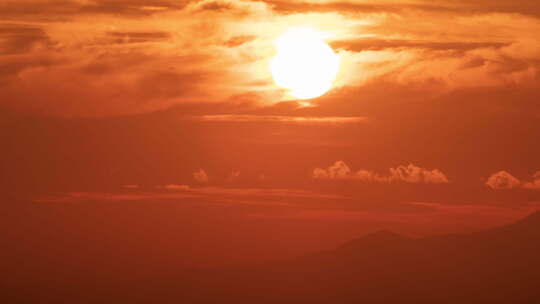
<point x="535" y="183"/>
<point x="200" y="176"/>
<point x="212" y="195"/>
<point x="408" y="174"/>
<point x="131" y="56"/>
<point x="137" y="37"/>
<point x="503" y="180"/>
<point x="61" y="10"/>
<point x="175" y="187"/>
<point x="370" y="44"/>
<point x="339" y="170"/>
<point x="462" y="7"/>
<point x="233" y="6"/>
<point x="413" y="174"/>
<point x="345" y="6"/>
<point x="114" y="64"/>
<point x="280" y="119"/>
<point x="20" y="38"/>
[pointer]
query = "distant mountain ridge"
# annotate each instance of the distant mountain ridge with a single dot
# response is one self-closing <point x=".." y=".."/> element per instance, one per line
<point x="531" y="220"/>
<point x="495" y="266"/>
<point x="499" y="265"/>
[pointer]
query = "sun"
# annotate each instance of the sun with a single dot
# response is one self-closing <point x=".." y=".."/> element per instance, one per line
<point x="305" y="65"/>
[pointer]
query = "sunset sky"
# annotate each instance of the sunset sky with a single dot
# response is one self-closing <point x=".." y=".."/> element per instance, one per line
<point x="432" y="124"/>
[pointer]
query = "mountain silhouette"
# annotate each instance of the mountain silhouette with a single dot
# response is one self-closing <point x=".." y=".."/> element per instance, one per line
<point x="500" y="265"/>
<point x="532" y="222"/>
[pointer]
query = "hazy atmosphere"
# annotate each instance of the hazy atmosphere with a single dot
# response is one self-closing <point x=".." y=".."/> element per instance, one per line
<point x="141" y="138"/>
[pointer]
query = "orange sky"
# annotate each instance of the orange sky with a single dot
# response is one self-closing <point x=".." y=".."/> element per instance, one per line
<point x="433" y="124"/>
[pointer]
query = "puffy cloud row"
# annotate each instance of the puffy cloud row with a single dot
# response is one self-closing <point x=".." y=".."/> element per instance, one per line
<point x="408" y="174"/>
<point x="411" y="173"/>
<point x="503" y="180"/>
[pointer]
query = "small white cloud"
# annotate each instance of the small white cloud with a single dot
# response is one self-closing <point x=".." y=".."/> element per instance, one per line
<point x="339" y="170"/>
<point x="502" y="180"/>
<point x="200" y="176"/>
<point x="535" y="183"/>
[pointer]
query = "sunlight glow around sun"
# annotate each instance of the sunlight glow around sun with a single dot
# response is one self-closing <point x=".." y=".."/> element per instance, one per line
<point x="305" y="64"/>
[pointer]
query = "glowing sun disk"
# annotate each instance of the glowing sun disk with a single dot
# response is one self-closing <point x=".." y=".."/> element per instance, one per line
<point x="305" y="64"/>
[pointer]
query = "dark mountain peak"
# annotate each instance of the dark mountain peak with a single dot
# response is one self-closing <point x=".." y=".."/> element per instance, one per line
<point x="527" y="227"/>
<point x="529" y="223"/>
<point x="381" y="238"/>
<point x="531" y="219"/>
